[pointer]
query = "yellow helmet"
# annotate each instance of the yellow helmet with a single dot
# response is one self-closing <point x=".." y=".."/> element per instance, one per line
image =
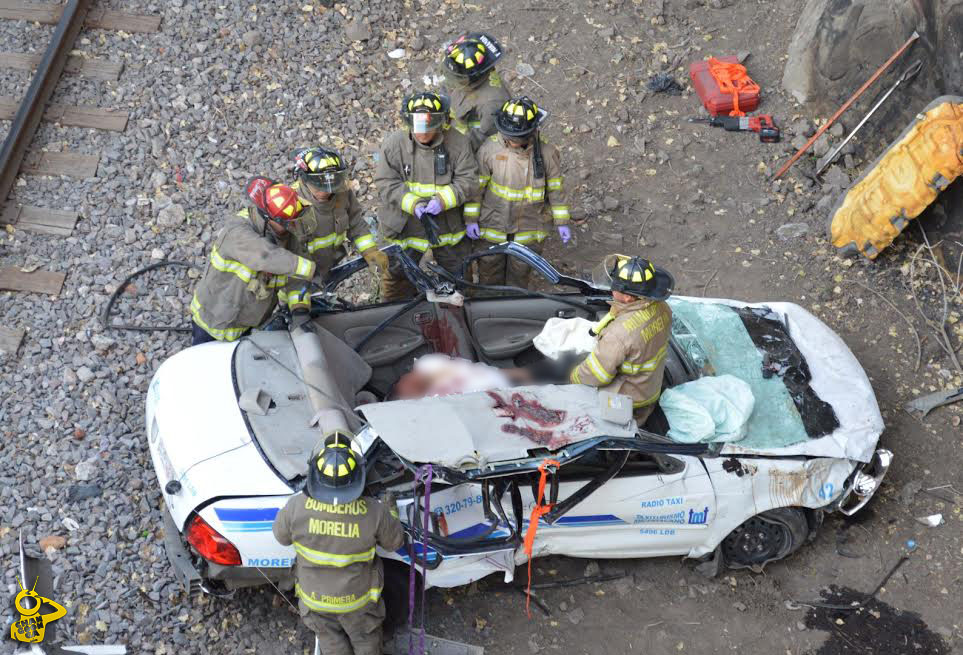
<point x="637" y="276"/>
<point x="322" y="168"/>
<point x="336" y="472"/>
<point x="470" y="56"/>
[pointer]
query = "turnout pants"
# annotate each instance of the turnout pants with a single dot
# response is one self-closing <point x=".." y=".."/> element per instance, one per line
<point x="504" y="270"/>
<point x="354" y="633"/>
<point x="394" y="284"/>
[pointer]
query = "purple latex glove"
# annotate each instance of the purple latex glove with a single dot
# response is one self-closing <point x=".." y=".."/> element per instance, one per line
<point x="472" y="231"/>
<point x="434" y="207"/>
<point x="420" y="209"/>
<point x="565" y="232"/>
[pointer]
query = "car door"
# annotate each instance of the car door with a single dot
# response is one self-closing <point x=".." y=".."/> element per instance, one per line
<point x="392" y="350"/>
<point x="504" y="327"/>
<point x="656" y="505"/>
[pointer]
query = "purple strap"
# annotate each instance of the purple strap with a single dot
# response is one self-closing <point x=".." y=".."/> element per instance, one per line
<point x="423" y="475"/>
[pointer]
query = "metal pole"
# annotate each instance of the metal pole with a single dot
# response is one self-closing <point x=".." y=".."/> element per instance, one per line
<point x="44" y="81"/>
<point x="909" y="74"/>
<point x="882" y="69"/>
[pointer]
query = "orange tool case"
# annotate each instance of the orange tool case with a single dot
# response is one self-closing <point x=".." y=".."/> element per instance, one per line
<point x="715" y="100"/>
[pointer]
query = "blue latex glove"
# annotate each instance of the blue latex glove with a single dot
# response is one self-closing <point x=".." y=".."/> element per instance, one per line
<point x="472" y="231"/>
<point x="434" y="207"/>
<point x="420" y="209"/>
<point x="565" y="232"/>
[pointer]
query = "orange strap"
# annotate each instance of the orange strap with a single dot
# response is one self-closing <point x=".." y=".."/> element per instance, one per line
<point x="537" y="513"/>
<point x="734" y="79"/>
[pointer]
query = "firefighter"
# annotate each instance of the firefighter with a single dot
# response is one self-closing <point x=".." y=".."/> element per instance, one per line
<point x="521" y="192"/>
<point x="629" y="356"/>
<point x="476" y="90"/>
<point x="334" y="530"/>
<point x="424" y="175"/>
<point x="249" y="264"/>
<point x="332" y="216"/>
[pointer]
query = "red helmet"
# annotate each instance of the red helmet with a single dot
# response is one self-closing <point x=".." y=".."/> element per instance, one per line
<point x="282" y="203"/>
<point x="274" y="201"/>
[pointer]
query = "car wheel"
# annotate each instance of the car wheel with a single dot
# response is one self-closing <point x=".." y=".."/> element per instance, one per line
<point x="766" y="537"/>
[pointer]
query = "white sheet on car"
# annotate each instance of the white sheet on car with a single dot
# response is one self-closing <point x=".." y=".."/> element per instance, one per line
<point x="565" y="336"/>
<point x="471" y="430"/>
<point x="709" y="409"/>
<point x="837" y="378"/>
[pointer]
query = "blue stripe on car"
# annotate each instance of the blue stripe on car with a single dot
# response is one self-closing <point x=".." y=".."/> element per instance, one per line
<point x="246" y="514"/>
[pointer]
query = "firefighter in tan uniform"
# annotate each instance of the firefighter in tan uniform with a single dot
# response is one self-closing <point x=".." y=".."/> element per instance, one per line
<point x="334" y="530"/>
<point x="522" y="193"/>
<point x="476" y="90"/>
<point x="249" y="264"/>
<point x="629" y="357"/>
<point x="424" y="175"/>
<point x="332" y="217"/>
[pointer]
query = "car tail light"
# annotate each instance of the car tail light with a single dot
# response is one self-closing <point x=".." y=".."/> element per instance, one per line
<point x="209" y="543"/>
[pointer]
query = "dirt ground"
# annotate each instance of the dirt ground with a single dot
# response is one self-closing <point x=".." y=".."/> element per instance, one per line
<point x="698" y="201"/>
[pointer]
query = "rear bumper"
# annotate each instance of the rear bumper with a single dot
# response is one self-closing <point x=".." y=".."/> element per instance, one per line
<point x="212" y="578"/>
<point x="864" y="482"/>
<point x="179" y="557"/>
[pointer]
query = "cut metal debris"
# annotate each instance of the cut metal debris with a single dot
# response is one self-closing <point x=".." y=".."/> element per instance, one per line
<point x="926" y="404"/>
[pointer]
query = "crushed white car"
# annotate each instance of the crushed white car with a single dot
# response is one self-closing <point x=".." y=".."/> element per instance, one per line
<point x="230" y="427"/>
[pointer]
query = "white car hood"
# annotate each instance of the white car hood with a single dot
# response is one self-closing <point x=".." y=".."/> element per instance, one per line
<point x="470" y="430"/>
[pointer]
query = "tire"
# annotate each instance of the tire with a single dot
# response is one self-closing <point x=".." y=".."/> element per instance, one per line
<point x="766" y="537"/>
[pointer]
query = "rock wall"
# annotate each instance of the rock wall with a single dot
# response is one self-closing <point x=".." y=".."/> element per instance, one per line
<point x="839" y="43"/>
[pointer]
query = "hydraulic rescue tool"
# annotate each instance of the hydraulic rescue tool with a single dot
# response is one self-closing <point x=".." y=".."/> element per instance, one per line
<point x="761" y="124"/>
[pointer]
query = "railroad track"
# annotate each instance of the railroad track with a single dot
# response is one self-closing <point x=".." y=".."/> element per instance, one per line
<point x="26" y="113"/>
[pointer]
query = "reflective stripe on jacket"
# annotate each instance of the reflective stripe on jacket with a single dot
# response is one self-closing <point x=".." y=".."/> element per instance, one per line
<point x="629" y="356"/>
<point x="336" y="221"/>
<point x="337" y="568"/>
<point x="246" y="268"/>
<point x="405" y="176"/>
<point x="512" y="200"/>
<point x="473" y="108"/>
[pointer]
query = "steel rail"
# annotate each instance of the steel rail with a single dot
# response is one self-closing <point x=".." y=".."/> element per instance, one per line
<point x="42" y="86"/>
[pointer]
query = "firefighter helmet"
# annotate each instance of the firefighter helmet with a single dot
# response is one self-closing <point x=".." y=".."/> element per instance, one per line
<point x="636" y="276"/>
<point x="336" y="472"/>
<point x="519" y="117"/>
<point x="469" y="57"/>
<point x="322" y="168"/>
<point x="282" y="203"/>
<point x="425" y="111"/>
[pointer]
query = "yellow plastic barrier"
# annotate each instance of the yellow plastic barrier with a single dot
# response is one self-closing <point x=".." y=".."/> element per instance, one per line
<point x="903" y="181"/>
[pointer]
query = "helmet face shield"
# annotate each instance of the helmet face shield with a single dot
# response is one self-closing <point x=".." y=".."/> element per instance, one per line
<point x="329" y="181"/>
<point x="602" y="273"/>
<point x="423" y="122"/>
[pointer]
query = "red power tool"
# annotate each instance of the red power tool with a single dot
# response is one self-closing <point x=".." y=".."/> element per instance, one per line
<point x="762" y="124"/>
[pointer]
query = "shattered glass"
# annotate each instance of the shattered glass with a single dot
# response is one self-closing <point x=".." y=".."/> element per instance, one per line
<point x="768" y="362"/>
